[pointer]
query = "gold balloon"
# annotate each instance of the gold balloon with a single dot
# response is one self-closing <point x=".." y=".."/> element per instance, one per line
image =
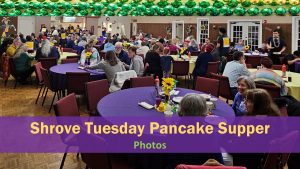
<point x="254" y="1"/>
<point x="281" y="1"/>
<point x="267" y="1"/>
<point x="294" y="2"/>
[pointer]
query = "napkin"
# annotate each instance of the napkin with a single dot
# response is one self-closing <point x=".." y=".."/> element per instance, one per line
<point x="146" y="105"/>
<point x="174" y="92"/>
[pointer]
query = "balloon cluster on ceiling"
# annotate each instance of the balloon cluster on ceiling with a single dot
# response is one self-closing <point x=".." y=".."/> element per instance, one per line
<point x="149" y="8"/>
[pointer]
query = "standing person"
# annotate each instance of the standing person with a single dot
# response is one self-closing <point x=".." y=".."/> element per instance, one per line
<point x="136" y="63"/>
<point x="63" y="40"/>
<point x="277" y="46"/>
<point x="223" y="44"/>
<point x="165" y="62"/>
<point x="152" y="62"/>
<point x="234" y="69"/>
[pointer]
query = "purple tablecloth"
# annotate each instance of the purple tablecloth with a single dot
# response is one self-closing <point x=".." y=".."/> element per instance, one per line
<point x="297" y="67"/>
<point x="125" y="103"/>
<point x="59" y="79"/>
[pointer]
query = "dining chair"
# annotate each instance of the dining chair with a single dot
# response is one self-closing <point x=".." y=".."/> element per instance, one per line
<point x="276" y="67"/>
<point x="5" y="71"/>
<point x="195" y="53"/>
<point x="76" y="82"/>
<point x="273" y="90"/>
<point x="47" y="63"/>
<point x="69" y="60"/>
<point x="47" y="83"/>
<point x="224" y="87"/>
<point x="181" y="68"/>
<point x="212" y="67"/>
<point x="142" y="81"/>
<point x="40" y="80"/>
<point x="68" y="50"/>
<point x="208" y="85"/>
<point x="67" y="106"/>
<point x="13" y="71"/>
<point x="253" y="60"/>
<point x="95" y="91"/>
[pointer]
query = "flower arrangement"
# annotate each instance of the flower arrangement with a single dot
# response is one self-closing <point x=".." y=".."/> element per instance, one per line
<point x="168" y="85"/>
<point x="88" y="55"/>
<point x="247" y="47"/>
<point x="161" y="107"/>
<point x="126" y="45"/>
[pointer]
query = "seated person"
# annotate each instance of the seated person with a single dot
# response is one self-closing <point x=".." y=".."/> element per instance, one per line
<point x="165" y="62"/>
<point x="71" y="42"/>
<point x="234" y="69"/>
<point x="121" y="54"/>
<point x="143" y="49"/>
<point x="193" y="47"/>
<point x="202" y="62"/>
<point x="23" y="63"/>
<point x="266" y="75"/>
<point x="111" y="65"/>
<point x="173" y="47"/>
<point x="137" y="63"/>
<point x="193" y="105"/>
<point x="263" y="48"/>
<point x="240" y="45"/>
<point x="244" y="84"/>
<point x="291" y="59"/>
<point x="46" y="51"/>
<point x="89" y="54"/>
<point x="152" y="62"/>
<point x="108" y="45"/>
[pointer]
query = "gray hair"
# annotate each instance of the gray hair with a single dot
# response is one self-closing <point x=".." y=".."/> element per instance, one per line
<point x="193" y="105"/>
<point x="119" y="44"/>
<point x="248" y="80"/>
<point x="193" y="43"/>
<point x="21" y="49"/>
<point x="46" y="48"/>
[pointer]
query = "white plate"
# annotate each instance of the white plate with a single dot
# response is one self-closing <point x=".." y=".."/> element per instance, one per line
<point x="206" y="96"/>
<point x="177" y="99"/>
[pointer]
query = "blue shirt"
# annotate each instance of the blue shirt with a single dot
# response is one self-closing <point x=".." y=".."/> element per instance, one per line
<point x="123" y="56"/>
<point x="165" y="62"/>
<point x="238" y="105"/>
<point x="202" y="64"/>
<point x="109" y="47"/>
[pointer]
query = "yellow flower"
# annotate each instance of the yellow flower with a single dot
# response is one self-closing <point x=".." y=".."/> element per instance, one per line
<point x="168" y="85"/>
<point x="247" y="47"/>
<point x="88" y="55"/>
<point x="161" y="107"/>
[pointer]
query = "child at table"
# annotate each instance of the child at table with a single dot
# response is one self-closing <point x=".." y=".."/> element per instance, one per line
<point x="165" y="62"/>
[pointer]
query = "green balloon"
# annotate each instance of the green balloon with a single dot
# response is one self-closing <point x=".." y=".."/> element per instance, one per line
<point x="14" y="12"/>
<point x="240" y="11"/>
<point x="3" y="13"/>
<point x="8" y="5"/>
<point x="83" y="6"/>
<point x="162" y="3"/>
<point x="246" y="3"/>
<point x="82" y="13"/>
<point x="69" y="12"/>
<point x="225" y="10"/>
<point x="233" y="3"/>
<point x="126" y="7"/>
<point x="188" y="12"/>
<point x="149" y="12"/>
<point x="42" y="12"/>
<point x="135" y="13"/>
<point x="201" y="12"/>
<point x="22" y="5"/>
<point x="261" y="3"/>
<point x="162" y="12"/>
<point x="54" y="0"/>
<point x="36" y="5"/>
<point x="176" y="3"/>
<point x="15" y="1"/>
<point x="140" y="8"/>
<point x="253" y="11"/>
<point x="273" y="3"/>
<point x="182" y="9"/>
<point x="294" y="10"/>
<point x="280" y="11"/>
<point x="175" y="12"/>
<point x="218" y="4"/>
<point x="195" y="9"/>
<point x="66" y="5"/>
<point x="169" y="8"/>
<point x="122" y="13"/>
<point x="51" y="5"/>
<point x="109" y="13"/>
<point x="204" y="4"/>
<point x="266" y="11"/>
<point x="28" y="12"/>
<point x="112" y="7"/>
<point x="95" y="13"/>
<point x="190" y="3"/>
<point x="155" y="8"/>
<point x="148" y="4"/>
<point x="98" y="6"/>
<point x="214" y="11"/>
<point x="123" y="1"/>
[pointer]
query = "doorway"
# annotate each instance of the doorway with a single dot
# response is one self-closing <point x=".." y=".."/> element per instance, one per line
<point x="178" y="30"/>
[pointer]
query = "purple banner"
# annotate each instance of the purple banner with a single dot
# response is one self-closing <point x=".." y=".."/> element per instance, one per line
<point x="149" y="135"/>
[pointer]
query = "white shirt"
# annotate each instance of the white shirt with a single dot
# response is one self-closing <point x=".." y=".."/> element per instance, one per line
<point x="142" y="50"/>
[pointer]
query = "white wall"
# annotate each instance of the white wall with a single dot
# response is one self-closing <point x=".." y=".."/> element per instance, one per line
<point x="117" y="23"/>
<point x="26" y="25"/>
<point x="39" y="20"/>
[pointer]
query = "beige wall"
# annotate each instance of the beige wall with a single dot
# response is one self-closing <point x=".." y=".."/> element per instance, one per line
<point x="39" y="20"/>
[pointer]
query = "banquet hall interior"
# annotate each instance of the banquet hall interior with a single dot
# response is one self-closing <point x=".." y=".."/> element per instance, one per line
<point x="116" y="61"/>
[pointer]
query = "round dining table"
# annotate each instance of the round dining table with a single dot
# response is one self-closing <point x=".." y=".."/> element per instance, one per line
<point x="59" y="78"/>
<point x="297" y="67"/>
<point x="125" y="103"/>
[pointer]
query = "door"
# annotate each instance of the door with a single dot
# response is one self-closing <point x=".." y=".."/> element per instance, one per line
<point x="26" y="25"/>
<point x="178" y="30"/>
<point x="249" y="31"/>
<point x="202" y="30"/>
